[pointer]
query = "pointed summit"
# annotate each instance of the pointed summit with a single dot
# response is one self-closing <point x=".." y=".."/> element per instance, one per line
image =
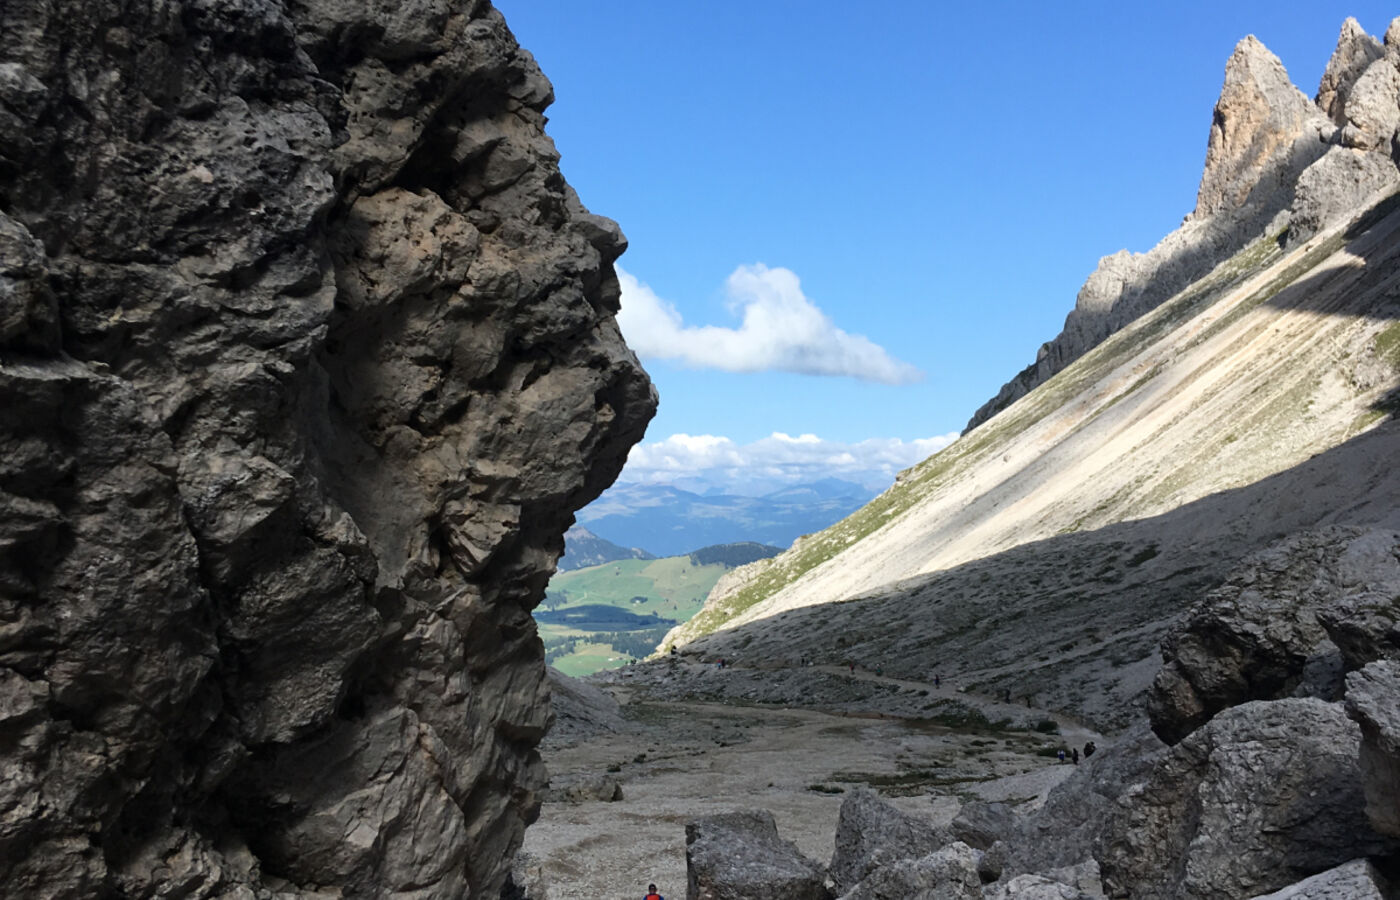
<point x="1259" y="117"/>
<point x="1356" y="50"/>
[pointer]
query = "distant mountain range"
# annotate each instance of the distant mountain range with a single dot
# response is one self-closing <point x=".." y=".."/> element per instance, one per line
<point x="583" y="548"/>
<point x="668" y="521"/>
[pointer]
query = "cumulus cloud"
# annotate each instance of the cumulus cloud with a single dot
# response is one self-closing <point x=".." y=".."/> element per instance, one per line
<point x="711" y="461"/>
<point x="779" y="330"/>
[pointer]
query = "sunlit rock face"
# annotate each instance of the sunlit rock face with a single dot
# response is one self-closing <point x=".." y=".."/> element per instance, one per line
<point x="1277" y="164"/>
<point x="307" y="355"/>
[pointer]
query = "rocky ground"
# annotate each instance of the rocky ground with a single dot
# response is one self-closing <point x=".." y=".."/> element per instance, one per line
<point x="688" y="739"/>
<point x="1262" y="764"/>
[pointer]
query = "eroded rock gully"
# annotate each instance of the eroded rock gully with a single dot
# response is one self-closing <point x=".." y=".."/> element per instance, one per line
<point x="307" y="353"/>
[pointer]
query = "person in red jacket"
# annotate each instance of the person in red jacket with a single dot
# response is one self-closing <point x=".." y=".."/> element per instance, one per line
<point x="652" y="894"/>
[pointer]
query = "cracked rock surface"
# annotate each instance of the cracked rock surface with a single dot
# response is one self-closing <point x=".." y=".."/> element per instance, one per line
<point x="307" y="353"/>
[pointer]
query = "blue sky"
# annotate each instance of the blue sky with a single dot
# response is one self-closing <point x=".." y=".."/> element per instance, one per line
<point x="909" y="191"/>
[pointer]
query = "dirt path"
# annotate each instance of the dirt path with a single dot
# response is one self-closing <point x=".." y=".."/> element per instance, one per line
<point x="681" y="760"/>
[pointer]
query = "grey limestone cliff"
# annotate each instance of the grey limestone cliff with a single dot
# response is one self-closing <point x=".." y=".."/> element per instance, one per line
<point x="1277" y="164"/>
<point x="307" y="353"/>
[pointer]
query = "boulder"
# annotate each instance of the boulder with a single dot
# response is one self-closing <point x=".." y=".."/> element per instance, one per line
<point x="1074" y="822"/>
<point x="739" y="856"/>
<point x="871" y="833"/>
<point x="1258" y="637"/>
<point x="1355" y="880"/>
<point x="980" y="824"/>
<point x="1264" y="794"/>
<point x="1373" y="700"/>
<point x="604" y="788"/>
<point x="948" y="874"/>
<point x="1035" y="887"/>
<point x="1365" y="626"/>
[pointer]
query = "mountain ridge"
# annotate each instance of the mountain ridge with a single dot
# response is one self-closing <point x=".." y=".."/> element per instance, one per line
<point x="670" y="521"/>
<point x="1275" y="162"/>
<point x="1283" y="349"/>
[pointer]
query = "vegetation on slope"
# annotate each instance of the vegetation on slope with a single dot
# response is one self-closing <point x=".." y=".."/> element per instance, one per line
<point x="602" y="616"/>
<point x="756" y="583"/>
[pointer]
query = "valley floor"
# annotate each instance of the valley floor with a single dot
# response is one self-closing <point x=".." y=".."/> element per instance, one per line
<point x="694" y="744"/>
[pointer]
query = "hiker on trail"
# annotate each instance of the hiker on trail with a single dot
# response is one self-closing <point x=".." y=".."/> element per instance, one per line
<point x="1074" y="754"/>
<point x="937" y="682"/>
<point x="1089" y="749"/>
<point x="853" y="668"/>
<point x="1062" y="754"/>
<point x="652" y="894"/>
<point x="880" y="670"/>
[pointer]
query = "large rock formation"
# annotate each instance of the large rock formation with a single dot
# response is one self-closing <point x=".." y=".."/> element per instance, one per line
<point x="1373" y="700"/>
<point x="1266" y="793"/>
<point x="307" y="352"/>
<point x="1258" y="636"/>
<point x="1265" y="135"/>
<point x="871" y="833"/>
<point x="739" y="855"/>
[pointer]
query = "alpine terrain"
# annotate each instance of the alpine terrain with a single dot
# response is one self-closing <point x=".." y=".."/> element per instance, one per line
<point x="1135" y="634"/>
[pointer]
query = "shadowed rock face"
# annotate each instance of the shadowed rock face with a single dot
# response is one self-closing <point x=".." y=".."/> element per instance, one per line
<point x="307" y="353"/>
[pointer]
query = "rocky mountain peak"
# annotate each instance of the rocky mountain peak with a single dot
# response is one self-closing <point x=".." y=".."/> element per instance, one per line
<point x="1258" y="118"/>
<point x="1356" y="50"/>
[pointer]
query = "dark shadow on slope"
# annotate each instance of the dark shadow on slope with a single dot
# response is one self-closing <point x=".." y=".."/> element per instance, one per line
<point x="1073" y="622"/>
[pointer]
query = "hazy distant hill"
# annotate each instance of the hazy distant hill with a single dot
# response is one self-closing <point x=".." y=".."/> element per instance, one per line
<point x="583" y="548"/>
<point x="669" y="521"/>
<point x="732" y="555"/>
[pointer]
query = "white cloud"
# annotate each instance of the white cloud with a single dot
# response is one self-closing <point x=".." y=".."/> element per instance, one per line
<point x="780" y="329"/>
<point x="711" y="461"/>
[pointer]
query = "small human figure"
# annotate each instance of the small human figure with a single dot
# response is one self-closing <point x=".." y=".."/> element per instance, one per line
<point x="879" y="670"/>
<point x="652" y="894"/>
<point x="1089" y="749"/>
<point x="1062" y="754"/>
<point x="853" y="668"/>
<point x="937" y="681"/>
<point x="1006" y="696"/>
<point x="1074" y="755"/>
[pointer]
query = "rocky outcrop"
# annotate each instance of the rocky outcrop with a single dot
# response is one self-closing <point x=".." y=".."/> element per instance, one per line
<point x="738" y="856"/>
<point x="1356" y="50"/>
<point x="581" y="710"/>
<point x="1262" y="128"/>
<point x="1373" y="700"/>
<point x="1265" y="134"/>
<point x="306" y="354"/>
<point x="946" y="874"/>
<point x="1258" y="637"/>
<point x="871" y="833"/>
<point x="980" y="825"/>
<point x="1356" y="880"/>
<point x="1264" y="794"/>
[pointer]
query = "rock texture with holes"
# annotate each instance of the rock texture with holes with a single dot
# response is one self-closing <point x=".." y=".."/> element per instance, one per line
<point x="307" y="352"/>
